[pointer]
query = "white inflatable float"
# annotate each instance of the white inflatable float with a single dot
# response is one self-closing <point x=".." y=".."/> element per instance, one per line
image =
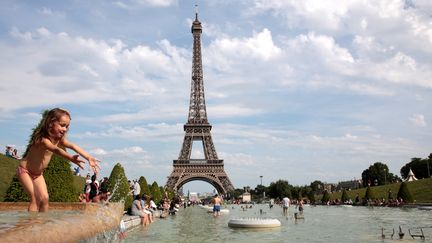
<point x="254" y="223"/>
<point x="206" y="207"/>
<point x="223" y="210"/>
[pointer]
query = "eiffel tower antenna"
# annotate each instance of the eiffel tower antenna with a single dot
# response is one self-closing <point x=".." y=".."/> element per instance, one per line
<point x="197" y="128"/>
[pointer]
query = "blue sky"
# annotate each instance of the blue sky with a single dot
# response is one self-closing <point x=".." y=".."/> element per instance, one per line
<point x="295" y="90"/>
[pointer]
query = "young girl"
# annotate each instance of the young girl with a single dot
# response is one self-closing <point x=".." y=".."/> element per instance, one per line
<point x="48" y="138"/>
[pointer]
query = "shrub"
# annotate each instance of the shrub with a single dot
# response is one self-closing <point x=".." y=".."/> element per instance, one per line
<point x="59" y="179"/>
<point x="326" y="197"/>
<point x="163" y="193"/>
<point x="119" y="187"/>
<point x="344" y="196"/>
<point x="404" y="193"/>
<point x="144" y="186"/>
<point x="15" y="192"/>
<point x="155" y="191"/>
<point x="311" y="196"/>
<point x="369" y="193"/>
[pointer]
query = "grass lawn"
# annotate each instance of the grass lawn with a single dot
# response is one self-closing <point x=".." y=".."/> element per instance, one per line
<point x="8" y="167"/>
<point x="421" y="190"/>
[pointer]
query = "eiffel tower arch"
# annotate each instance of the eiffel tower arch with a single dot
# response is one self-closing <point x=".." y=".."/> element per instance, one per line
<point x="197" y="128"/>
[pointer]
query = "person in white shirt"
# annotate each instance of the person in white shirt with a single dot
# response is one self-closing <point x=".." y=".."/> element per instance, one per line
<point x="285" y="205"/>
<point x="136" y="189"/>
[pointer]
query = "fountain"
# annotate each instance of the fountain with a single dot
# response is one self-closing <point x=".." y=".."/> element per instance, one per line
<point x="65" y="222"/>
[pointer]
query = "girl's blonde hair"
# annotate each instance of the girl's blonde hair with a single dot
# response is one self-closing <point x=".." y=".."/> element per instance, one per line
<point x="42" y="129"/>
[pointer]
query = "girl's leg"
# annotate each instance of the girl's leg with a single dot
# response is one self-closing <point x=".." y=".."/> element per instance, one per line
<point x="27" y="184"/>
<point x="41" y="191"/>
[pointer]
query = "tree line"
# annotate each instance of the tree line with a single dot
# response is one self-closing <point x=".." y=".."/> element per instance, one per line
<point x="375" y="175"/>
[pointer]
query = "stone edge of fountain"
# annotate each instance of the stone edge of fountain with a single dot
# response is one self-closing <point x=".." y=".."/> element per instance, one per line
<point x="95" y="219"/>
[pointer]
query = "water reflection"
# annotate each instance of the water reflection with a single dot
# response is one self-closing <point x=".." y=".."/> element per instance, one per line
<point x="23" y="219"/>
<point x="320" y="224"/>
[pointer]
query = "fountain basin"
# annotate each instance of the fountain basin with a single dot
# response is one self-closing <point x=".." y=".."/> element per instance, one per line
<point x="86" y="221"/>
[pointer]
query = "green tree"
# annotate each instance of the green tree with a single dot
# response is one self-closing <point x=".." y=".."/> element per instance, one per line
<point x="311" y="196"/>
<point x="119" y="187"/>
<point x="162" y="192"/>
<point x="259" y="191"/>
<point x="236" y="193"/>
<point x="155" y="192"/>
<point x="59" y="180"/>
<point x="296" y="192"/>
<point x="344" y="196"/>
<point x="369" y="193"/>
<point x="377" y="174"/>
<point x="15" y="192"/>
<point x="325" y="197"/>
<point x="34" y="131"/>
<point x="418" y="166"/>
<point x="170" y="193"/>
<point x="280" y="189"/>
<point x="429" y="165"/>
<point x="404" y="193"/>
<point x="144" y="186"/>
<point x="317" y="186"/>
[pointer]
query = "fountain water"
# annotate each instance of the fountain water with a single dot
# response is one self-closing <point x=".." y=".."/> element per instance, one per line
<point x="85" y="222"/>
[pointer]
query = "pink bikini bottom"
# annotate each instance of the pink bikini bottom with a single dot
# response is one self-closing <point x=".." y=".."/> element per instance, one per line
<point x="20" y="170"/>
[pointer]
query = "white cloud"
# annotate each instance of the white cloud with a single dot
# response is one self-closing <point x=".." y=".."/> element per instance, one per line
<point x="16" y="33"/>
<point x="78" y="69"/>
<point x="287" y="83"/>
<point x="150" y="132"/>
<point x="324" y="14"/>
<point x="239" y="159"/>
<point x="259" y="47"/>
<point x="50" y="12"/>
<point x="323" y="48"/>
<point x="418" y="120"/>
<point x="232" y="110"/>
<point x="158" y="3"/>
<point x="133" y="4"/>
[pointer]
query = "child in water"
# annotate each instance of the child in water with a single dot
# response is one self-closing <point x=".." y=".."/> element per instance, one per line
<point x="48" y="138"/>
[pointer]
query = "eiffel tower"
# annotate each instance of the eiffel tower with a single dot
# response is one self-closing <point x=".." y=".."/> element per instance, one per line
<point x="211" y="168"/>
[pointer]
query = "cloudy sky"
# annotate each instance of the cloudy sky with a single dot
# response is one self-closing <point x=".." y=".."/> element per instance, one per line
<point x="295" y="90"/>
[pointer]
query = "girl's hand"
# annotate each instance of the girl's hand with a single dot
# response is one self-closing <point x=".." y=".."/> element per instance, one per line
<point x="94" y="163"/>
<point x="76" y="159"/>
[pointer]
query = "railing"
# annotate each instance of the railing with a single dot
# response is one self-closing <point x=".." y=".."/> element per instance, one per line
<point x="199" y="161"/>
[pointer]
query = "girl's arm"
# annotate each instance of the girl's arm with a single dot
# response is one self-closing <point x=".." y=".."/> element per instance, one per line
<point x="55" y="149"/>
<point x="94" y="163"/>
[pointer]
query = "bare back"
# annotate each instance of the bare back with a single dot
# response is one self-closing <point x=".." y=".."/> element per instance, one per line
<point x="217" y="201"/>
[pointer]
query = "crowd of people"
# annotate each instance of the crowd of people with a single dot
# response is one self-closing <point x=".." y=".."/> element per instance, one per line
<point x="11" y="152"/>
<point x="382" y="202"/>
<point x="390" y="202"/>
<point x="95" y="190"/>
<point x="145" y="206"/>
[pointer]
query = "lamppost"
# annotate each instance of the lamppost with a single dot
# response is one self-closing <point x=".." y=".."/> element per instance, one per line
<point x="428" y="168"/>
<point x="262" y="187"/>
<point x="385" y="176"/>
